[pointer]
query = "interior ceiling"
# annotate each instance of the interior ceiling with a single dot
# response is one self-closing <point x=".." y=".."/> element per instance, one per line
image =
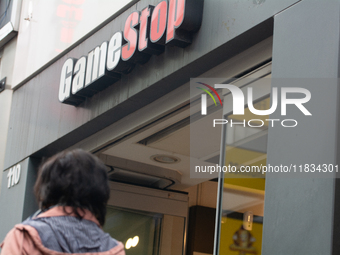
<point x="158" y="140"/>
<point x="184" y="138"/>
<point x="178" y="142"/>
<point x="175" y="143"/>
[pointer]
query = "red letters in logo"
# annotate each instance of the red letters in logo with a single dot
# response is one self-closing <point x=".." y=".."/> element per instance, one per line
<point x="176" y="17"/>
<point x="158" y="21"/>
<point x="143" y="29"/>
<point x="130" y="35"/>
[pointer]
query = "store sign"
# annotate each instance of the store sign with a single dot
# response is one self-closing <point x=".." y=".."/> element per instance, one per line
<point x="13" y="176"/>
<point x="146" y="33"/>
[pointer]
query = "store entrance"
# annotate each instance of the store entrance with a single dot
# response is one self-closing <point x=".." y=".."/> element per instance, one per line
<point x="157" y="207"/>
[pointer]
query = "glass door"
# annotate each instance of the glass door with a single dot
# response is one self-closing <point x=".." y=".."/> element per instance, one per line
<point x="242" y="190"/>
<point x="147" y="221"/>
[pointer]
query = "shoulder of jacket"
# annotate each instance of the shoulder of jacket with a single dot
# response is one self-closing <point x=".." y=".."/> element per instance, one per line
<point x="29" y="229"/>
<point x="20" y="241"/>
<point x="24" y="239"/>
<point x="117" y="250"/>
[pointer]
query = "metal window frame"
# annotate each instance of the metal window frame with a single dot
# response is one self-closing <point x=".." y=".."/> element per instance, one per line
<point x="11" y="28"/>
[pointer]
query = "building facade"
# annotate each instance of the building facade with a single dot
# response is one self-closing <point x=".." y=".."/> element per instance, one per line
<point x="123" y="90"/>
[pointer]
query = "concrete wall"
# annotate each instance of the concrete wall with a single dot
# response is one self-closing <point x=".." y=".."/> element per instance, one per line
<point x="6" y="70"/>
<point x="17" y="201"/>
<point x="299" y="209"/>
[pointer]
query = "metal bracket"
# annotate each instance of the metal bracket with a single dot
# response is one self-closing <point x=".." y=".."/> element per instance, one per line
<point x="3" y="84"/>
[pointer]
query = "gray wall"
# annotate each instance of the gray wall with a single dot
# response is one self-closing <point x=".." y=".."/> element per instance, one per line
<point x="298" y="216"/>
<point x="41" y="125"/>
<point x="6" y="70"/>
<point x="18" y="202"/>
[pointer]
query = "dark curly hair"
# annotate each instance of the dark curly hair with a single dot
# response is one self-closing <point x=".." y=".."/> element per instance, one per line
<point x="74" y="178"/>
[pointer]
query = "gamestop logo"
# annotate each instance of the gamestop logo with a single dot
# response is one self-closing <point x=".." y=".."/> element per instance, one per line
<point x="239" y="103"/>
<point x="146" y="33"/>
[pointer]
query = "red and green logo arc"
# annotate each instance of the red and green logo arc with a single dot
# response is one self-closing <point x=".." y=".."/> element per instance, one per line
<point x="208" y="92"/>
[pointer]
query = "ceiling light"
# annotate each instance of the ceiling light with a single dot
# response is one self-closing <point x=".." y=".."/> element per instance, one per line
<point x="132" y="242"/>
<point x="135" y="241"/>
<point x="166" y="159"/>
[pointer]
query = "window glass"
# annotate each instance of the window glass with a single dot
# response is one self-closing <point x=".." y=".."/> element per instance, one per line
<point x="138" y="231"/>
<point x="5" y="12"/>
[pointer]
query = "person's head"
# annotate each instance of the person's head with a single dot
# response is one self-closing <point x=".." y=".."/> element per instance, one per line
<point x="74" y="178"/>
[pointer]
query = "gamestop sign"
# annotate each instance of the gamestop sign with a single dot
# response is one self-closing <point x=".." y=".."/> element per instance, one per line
<point x="146" y="33"/>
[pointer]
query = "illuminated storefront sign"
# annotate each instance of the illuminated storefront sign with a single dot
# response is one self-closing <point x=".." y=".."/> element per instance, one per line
<point x="145" y="33"/>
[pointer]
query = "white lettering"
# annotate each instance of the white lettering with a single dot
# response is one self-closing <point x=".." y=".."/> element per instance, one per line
<point x="238" y="100"/>
<point x="66" y="80"/>
<point x="13" y="176"/>
<point x="261" y="121"/>
<point x="17" y="174"/>
<point x="297" y="102"/>
<point x="238" y="123"/>
<point x="238" y="97"/>
<point x="282" y="123"/>
<point x="114" y="51"/>
<point x="262" y="112"/>
<point x="79" y="75"/>
<point x="272" y="120"/>
<point x="220" y="122"/>
<point x="9" y="177"/>
<point x="252" y="121"/>
<point x="96" y="60"/>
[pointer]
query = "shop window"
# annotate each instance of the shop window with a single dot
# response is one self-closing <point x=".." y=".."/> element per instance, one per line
<point x="245" y="149"/>
<point x="147" y="221"/>
<point x="138" y="231"/>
